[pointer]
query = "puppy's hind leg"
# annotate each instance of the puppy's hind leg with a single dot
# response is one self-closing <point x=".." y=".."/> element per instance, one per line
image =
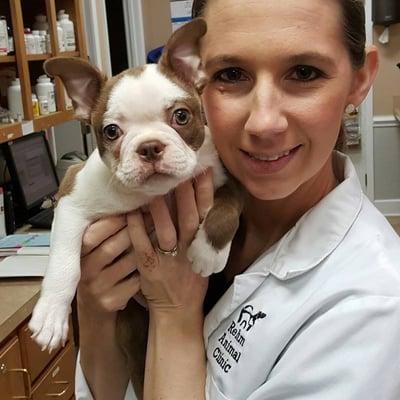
<point x="132" y="332"/>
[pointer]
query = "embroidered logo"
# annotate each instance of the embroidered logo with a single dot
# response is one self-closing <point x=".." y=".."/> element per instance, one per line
<point x="247" y="319"/>
<point x="232" y="342"/>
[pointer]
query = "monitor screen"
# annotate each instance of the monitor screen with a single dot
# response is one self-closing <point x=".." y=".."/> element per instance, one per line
<point x="31" y="168"/>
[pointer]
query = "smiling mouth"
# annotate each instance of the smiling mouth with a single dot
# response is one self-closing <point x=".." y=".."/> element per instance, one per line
<point x="270" y="158"/>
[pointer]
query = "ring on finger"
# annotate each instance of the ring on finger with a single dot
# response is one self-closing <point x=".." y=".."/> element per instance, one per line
<point x="173" y="252"/>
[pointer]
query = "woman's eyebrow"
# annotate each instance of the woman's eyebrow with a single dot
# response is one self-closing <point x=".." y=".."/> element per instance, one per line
<point x="222" y="59"/>
<point x="310" y="56"/>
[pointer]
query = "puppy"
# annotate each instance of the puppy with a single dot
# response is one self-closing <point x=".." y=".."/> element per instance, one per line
<point x="150" y="137"/>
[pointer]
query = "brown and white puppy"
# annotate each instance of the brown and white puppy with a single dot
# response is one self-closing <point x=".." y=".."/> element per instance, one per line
<point x="150" y="137"/>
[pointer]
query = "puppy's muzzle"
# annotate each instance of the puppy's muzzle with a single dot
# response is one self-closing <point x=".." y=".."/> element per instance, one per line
<point x="151" y="151"/>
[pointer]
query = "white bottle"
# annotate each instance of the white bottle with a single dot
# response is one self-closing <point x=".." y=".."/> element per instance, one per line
<point x="43" y="105"/>
<point x="60" y="37"/>
<point x="40" y="23"/>
<point x="3" y="36"/>
<point x="45" y="89"/>
<point x="36" y="37"/>
<point x="29" y="42"/>
<point x="15" y="100"/>
<point x="69" y="34"/>
<point x="43" y="42"/>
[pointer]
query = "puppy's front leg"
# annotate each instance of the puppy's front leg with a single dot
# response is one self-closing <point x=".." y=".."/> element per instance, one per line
<point x="210" y="248"/>
<point x="49" y="322"/>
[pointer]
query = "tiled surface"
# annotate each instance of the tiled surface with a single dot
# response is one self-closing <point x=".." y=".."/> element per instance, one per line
<point x="395" y="221"/>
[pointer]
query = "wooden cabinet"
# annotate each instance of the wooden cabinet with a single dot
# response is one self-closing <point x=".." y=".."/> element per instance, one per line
<point x="28" y="67"/>
<point x="28" y="373"/>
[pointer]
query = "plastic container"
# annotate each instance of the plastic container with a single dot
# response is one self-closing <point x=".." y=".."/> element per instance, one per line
<point x="30" y="45"/>
<point x="40" y="23"/>
<point x="43" y="42"/>
<point x="45" y="89"/>
<point x="36" y="37"/>
<point x="69" y="34"/>
<point x="3" y="36"/>
<point x="35" y="105"/>
<point x="60" y="37"/>
<point x="11" y="49"/>
<point x="15" y="100"/>
<point x="43" y="105"/>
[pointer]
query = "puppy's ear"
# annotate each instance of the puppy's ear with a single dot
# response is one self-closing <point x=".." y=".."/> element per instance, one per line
<point x="181" y="54"/>
<point x="82" y="81"/>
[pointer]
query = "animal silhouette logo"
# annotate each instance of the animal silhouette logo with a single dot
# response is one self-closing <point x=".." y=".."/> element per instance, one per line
<point x="248" y="318"/>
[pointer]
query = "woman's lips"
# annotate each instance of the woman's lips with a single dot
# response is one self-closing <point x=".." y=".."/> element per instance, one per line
<point x="259" y="164"/>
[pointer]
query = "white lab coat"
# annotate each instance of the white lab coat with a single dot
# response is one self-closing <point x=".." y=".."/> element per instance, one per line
<point x="315" y="317"/>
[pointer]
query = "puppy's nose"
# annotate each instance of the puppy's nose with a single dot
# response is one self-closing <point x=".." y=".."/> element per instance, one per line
<point x="151" y="151"/>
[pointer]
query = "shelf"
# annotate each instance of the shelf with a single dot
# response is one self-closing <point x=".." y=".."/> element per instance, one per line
<point x="10" y="131"/>
<point x="69" y="54"/>
<point x="37" y="57"/>
<point x="47" y="121"/>
<point x="7" y="59"/>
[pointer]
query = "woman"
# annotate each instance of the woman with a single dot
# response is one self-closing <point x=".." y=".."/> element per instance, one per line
<point x="309" y="303"/>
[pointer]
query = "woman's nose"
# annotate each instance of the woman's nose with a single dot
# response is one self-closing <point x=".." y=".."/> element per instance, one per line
<point x="265" y="115"/>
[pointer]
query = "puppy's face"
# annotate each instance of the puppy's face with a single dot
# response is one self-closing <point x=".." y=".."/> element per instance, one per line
<point x="149" y="127"/>
<point x="148" y="120"/>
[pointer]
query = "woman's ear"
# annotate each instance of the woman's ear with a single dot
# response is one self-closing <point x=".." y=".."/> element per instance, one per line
<point x="364" y="77"/>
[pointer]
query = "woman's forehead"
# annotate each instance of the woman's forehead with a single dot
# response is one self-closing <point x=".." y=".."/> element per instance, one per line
<point x="269" y="25"/>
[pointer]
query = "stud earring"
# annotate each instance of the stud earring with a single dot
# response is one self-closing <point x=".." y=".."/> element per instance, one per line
<point x="350" y="109"/>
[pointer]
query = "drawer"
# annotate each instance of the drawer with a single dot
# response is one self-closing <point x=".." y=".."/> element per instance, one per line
<point x="58" y="380"/>
<point x="35" y="359"/>
<point x="11" y="372"/>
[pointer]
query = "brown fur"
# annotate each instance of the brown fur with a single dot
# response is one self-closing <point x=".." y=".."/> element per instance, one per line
<point x="68" y="182"/>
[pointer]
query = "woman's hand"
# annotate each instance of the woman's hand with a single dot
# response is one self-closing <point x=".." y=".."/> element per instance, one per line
<point x="109" y="277"/>
<point x="168" y="282"/>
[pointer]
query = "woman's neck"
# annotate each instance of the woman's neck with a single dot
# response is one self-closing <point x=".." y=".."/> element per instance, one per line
<point x="265" y="222"/>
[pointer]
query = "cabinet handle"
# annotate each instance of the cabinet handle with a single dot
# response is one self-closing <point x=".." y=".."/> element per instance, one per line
<point x="62" y="392"/>
<point x="4" y="370"/>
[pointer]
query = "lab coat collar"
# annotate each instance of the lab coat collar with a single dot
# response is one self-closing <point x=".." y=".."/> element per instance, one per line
<point x="322" y="228"/>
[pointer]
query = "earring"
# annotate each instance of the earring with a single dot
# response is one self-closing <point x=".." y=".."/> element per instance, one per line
<point x="351" y="109"/>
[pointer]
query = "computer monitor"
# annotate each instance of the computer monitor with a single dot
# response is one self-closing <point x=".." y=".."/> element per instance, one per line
<point x="31" y="169"/>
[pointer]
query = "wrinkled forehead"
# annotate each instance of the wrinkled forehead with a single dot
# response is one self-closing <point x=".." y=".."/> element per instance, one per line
<point x="142" y="95"/>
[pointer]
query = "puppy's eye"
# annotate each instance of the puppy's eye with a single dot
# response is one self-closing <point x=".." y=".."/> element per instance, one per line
<point x="181" y="116"/>
<point x="112" y="131"/>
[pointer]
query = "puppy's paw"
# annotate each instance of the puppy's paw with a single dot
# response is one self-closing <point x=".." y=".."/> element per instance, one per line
<point x="206" y="259"/>
<point x="49" y="324"/>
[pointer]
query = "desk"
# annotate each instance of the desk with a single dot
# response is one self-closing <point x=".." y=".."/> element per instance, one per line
<point x="24" y="368"/>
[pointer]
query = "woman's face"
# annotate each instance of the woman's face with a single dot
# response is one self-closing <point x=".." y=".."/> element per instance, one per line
<point x="281" y="78"/>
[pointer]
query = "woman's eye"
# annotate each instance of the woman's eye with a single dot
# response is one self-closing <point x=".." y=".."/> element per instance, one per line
<point x="181" y="116"/>
<point x="230" y="75"/>
<point x="305" y="73"/>
<point x="112" y="131"/>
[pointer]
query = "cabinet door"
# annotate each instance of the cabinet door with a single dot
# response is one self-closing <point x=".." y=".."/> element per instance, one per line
<point x="58" y="380"/>
<point x="11" y="372"/>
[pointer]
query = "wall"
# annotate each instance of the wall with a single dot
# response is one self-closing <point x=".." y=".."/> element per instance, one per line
<point x="156" y="23"/>
<point x="387" y="84"/>
<point x="386" y="128"/>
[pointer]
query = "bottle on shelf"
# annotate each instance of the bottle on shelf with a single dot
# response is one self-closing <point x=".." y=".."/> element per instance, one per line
<point x="60" y="37"/>
<point x="30" y="45"/>
<point x="43" y="42"/>
<point x="35" y="105"/>
<point x="3" y="36"/>
<point x="40" y="23"/>
<point x="11" y="50"/>
<point x="68" y="29"/>
<point x="36" y="37"/>
<point x="45" y="89"/>
<point x="43" y="105"/>
<point x="14" y="99"/>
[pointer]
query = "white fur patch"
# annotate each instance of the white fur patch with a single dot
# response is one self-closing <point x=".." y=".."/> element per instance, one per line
<point x="206" y="260"/>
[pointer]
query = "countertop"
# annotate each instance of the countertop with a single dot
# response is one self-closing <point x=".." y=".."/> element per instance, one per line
<point x="17" y="299"/>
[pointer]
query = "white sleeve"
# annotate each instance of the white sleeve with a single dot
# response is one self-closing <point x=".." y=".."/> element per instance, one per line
<point x="82" y="391"/>
<point x="350" y="351"/>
